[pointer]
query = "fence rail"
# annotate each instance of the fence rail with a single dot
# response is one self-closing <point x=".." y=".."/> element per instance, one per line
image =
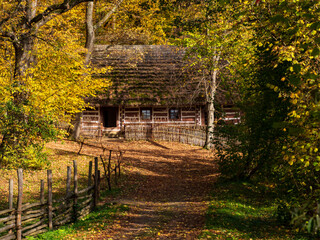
<point x="28" y="219"/>
<point x="194" y="135"/>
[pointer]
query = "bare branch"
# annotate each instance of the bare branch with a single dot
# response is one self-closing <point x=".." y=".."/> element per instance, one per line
<point x="55" y="10"/>
<point x="5" y="35"/>
<point x="31" y="9"/>
<point x="108" y="15"/>
<point x="90" y="36"/>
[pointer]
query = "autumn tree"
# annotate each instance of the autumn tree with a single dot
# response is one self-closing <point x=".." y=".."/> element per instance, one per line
<point x="279" y="135"/>
<point x="93" y="25"/>
<point x="294" y="39"/>
<point x="43" y="79"/>
<point x="217" y="44"/>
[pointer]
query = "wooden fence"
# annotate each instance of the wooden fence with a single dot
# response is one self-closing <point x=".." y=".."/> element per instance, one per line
<point x="27" y="219"/>
<point x="193" y="135"/>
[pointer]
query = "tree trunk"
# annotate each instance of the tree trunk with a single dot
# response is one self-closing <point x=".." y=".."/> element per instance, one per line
<point x="210" y="107"/>
<point x="23" y="49"/>
<point x="210" y="125"/>
<point x="90" y="37"/>
<point x="23" y="56"/>
<point x="76" y="127"/>
<point x="23" y="60"/>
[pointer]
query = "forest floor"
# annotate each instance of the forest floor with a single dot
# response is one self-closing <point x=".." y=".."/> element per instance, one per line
<point x="166" y="190"/>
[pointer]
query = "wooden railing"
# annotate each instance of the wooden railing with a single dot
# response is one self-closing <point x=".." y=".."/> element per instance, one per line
<point x="193" y="135"/>
<point x="28" y="219"/>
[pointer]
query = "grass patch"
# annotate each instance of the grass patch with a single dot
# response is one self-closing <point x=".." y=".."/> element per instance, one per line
<point x="95" y="222"/>
<point x="241" y="210"/>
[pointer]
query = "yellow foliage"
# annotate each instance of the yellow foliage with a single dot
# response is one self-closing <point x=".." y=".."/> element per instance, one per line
<point x="58" y="82"/>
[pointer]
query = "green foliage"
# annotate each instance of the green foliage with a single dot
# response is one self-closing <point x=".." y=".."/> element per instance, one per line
<point x="23" y="141"/>
<point x="307" y="217"/>
<point x="279" y="135"/>
<point x="95" y="221"/>
<point x="253" y="146"/>
<point x="43" y="80"/>
<point x="243" y="210"/>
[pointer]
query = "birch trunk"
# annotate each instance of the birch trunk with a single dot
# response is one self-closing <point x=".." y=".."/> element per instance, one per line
<point x="90" y="38"/>
<point x="210" y="126"/>
<point x="211" y="93"/>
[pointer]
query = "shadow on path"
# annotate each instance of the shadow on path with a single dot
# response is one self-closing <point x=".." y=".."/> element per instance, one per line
<point x="166" y="188"/>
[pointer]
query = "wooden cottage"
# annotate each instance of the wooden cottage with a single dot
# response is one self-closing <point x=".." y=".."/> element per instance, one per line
<point x="150" y="86"/>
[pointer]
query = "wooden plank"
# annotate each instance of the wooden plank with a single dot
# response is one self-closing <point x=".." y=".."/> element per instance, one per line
<point x="63" y="206"/>
<point x="85" y="190"/>
<point x="85" y="203"/>
<point x="63" y="221"/>
<point x="6" y="219"/>
<point x="34" y="212"/>
<point x="8" y="227"/>
<point x="35" y="229"/>
<point x="8" y="236"/>
<point x="30" y="205"/>
<point x="38" y="232"/>
<point x="33" y="225"/>
<point x="36" y="215"/>
<point x="6" y="211"/>
<point x="85" y="197"/>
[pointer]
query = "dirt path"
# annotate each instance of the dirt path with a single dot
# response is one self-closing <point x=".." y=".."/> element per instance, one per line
<point x="166" y="188"/>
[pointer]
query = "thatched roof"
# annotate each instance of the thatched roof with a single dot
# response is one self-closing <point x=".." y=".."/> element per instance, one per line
<point x="146" y="75"/>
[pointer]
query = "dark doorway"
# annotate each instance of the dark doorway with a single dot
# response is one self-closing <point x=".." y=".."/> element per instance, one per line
<point x="109" y="115"/>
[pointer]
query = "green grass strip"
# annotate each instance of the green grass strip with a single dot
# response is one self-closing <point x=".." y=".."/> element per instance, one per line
<point x="241" y="210"/>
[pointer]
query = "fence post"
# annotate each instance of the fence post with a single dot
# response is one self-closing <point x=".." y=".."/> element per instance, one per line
<point x="42" y="192"/>
<point x="75" y="205"/>
<point x="90" y="174"/>
<point x="10" y="198"/>
<point x="68" y="182"/>
<point x="43" y="207"/>
<point x="10" y="194"/>
<point x="19" y="204"/>
<point x="109" y="170"/>
<point x="99" y="183"/>
<point x="115" y="175"/>
<point x="119" y="162"/>
<point x="49" y="175"/>
<point x="95" y="192"/>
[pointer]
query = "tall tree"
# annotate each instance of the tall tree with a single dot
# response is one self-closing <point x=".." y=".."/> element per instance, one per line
<point x="46" y="69"/>
<point x="91" y="31"/>
<point x="280" y="132"/>
<point x="217" y="44"/>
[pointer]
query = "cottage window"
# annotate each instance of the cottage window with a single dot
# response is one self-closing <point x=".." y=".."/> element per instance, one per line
<point x="174" y="114"/>
<point x="146" y="114"/>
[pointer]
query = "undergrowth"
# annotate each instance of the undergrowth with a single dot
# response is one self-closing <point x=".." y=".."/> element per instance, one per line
<point x="92" y="223"/>
<point x="241" y="210"/>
